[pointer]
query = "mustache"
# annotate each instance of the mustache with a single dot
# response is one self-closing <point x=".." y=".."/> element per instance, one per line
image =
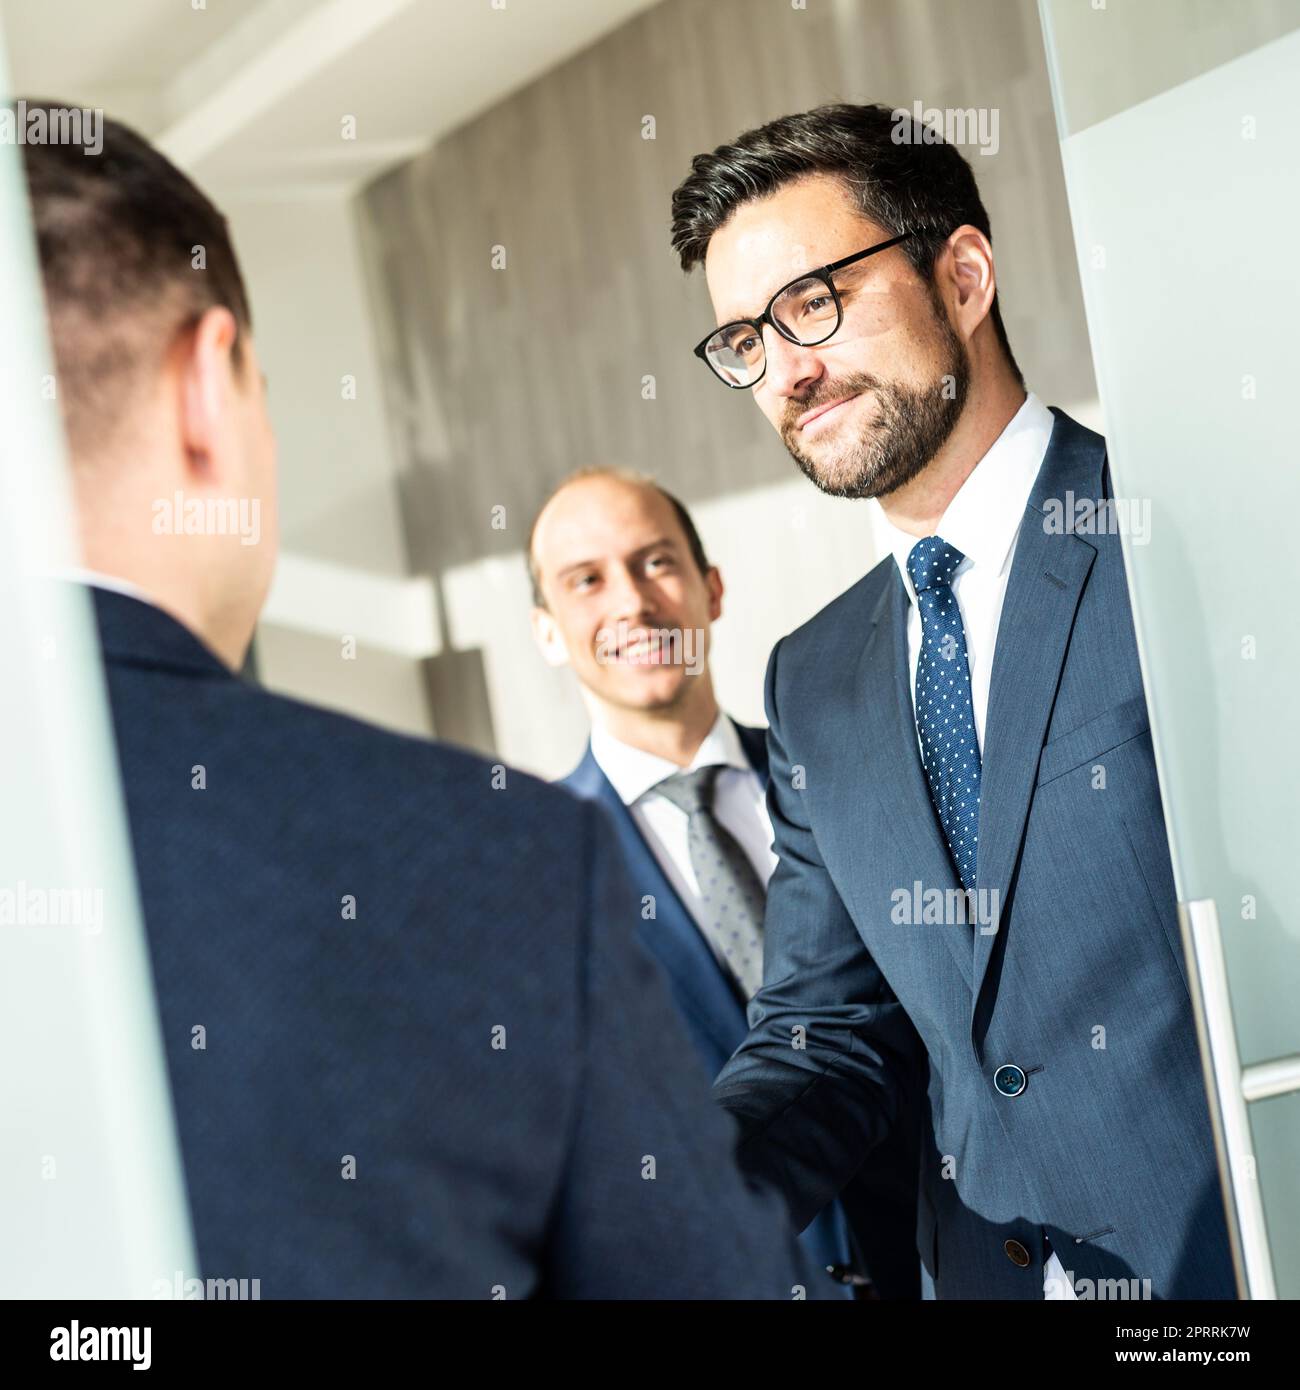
<point x="823" y="393"/>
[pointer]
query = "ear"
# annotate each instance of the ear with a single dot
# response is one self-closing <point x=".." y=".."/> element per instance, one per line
<point x="546" y="633"/>
<point x="970" y="278"/>
<point x="714" y="581"/>
<point x="206" y="385"/>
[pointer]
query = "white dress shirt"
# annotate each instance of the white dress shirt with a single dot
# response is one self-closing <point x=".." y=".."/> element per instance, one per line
<point x="983" y="522"/>
<point x="740" y="804"/>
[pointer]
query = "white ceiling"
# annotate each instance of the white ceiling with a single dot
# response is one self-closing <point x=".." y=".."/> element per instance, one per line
<point x="250" y="95"/>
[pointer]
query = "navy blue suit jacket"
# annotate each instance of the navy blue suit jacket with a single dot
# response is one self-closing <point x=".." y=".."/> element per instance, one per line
<point x="1107" y="1150"/>
<point x="422" y="1066"/>
<point x="880" y="1203"/>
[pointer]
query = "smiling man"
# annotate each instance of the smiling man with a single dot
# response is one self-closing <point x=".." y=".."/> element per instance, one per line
<point x="969" y="717"/>
<point x="625" y="594"/>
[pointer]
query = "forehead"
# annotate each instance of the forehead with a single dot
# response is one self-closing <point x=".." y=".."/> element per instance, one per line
<point x="596" y="517"/>
<point x="768" y="241"/>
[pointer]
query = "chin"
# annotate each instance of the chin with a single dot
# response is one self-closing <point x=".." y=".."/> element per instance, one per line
<point x="841" y="478"/>
<point x="657" y="690"/>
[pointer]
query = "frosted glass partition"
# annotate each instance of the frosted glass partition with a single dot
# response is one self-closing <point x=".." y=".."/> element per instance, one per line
<point x="1109" y="55"/>
<point x="91" y="1194"/>
<point x="1178" y="140"/>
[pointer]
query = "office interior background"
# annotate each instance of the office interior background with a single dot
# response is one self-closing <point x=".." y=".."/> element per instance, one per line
<point x="372" y="157"/>
<point x="410" y="181"/>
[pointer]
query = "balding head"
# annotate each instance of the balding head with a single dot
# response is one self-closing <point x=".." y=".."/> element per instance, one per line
<point x="628" y="478"/>
<point x="624" y="593"/>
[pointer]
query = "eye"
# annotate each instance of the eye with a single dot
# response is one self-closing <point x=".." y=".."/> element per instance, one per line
<point x="816" y="304"/>
<point x="745" y="344"/>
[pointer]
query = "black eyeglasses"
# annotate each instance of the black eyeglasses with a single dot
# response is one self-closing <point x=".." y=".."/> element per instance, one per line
<point x="807" y="311"/>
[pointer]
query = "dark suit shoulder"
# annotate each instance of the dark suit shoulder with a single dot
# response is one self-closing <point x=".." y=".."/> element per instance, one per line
<point x="846" y="612"/>
<point x="332" y="771"/>
<point x="384" y="941"/>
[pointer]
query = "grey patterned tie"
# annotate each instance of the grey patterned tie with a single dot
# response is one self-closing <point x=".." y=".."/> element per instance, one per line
<point x="731" y="893"/>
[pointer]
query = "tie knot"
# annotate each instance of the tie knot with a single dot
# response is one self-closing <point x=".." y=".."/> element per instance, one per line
<point x="933" y="562"/>
<point x="690" y="791"/>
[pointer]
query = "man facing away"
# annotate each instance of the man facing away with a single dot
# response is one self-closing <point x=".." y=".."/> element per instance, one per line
<point x="404" y="1018"/>
<point x="964" y="796"/>
<point x="625" y="595"/>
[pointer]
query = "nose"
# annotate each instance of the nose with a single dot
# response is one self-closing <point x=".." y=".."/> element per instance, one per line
<point x="790" y="368"/>
<point x="627" y="596"/>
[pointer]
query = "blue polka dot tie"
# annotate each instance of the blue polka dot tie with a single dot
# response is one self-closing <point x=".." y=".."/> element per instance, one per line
<point x="945" y="718"/>
<point x="732" y="896"/>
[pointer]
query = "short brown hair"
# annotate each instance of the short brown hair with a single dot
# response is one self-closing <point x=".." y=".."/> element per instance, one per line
<point x="899" y="174"/>
<point x="118" y="234"/>
<point x="626" y="475"/>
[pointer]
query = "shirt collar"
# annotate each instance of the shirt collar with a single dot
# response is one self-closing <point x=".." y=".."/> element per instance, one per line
<point x="109" y="583"/>
<point x="984" y="518"/>
<point x="632" y="771"/>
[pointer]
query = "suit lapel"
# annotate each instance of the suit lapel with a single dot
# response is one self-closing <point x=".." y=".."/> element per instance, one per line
<point x="699" y="983"/>
<point x="1047" y="579"/>
<point x="754" y="743"/>
<point x="882" y="707"/>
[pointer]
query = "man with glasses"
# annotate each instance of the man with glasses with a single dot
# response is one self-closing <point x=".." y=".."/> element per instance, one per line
<point x="963" y="789"/>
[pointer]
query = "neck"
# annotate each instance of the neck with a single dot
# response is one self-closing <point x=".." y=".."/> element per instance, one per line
<point x="223" y="632"/>
<point x="675" y="733"/>
<point x="918" y="506"/>
<point x="189" y="577"/>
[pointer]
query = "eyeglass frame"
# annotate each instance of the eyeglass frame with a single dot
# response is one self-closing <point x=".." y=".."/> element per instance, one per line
<point x="823" y="273"/>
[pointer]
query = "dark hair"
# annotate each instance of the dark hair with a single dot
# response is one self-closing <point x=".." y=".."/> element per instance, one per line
<point x="695" y="545"/>
<point x="910" y="182"/>
<point x="118" y="233"/>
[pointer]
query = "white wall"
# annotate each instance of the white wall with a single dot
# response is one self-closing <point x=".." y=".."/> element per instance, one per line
<point x="338" y="491"/>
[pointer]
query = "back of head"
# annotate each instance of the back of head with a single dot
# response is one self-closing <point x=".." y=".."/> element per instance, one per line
<point x="157" y="377"/>
<point x="132" y="253"/>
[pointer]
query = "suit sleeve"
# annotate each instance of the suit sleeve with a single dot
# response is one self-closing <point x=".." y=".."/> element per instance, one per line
<point x="653" y="1203"/>
<point x="820" y="1078"/>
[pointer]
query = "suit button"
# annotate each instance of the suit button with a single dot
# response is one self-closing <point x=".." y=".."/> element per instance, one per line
<point x="1017" y="1254"/>
<point x="1009" y="1079"/>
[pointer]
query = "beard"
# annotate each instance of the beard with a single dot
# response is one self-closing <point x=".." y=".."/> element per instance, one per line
<point x="911" y="425"/>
